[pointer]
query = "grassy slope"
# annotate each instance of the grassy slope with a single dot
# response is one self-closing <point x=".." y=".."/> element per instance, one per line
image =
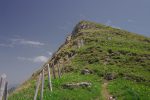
<point x="107" y="51"/>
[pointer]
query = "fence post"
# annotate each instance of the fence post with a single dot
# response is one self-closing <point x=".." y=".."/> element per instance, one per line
<point x="2" y="86"/>
<point x="58" y="69"/>
<point x="78" y="43"/>
<point x="6" y="91"/>
<point x="42" y="87"/>
<point x="54" y="75"/>
<point x="82" y="42"/>
<point x="49" y="78"/>
<point x="37" y="86"/>
<point x="62" y="68"/>
<point x="0" y="82"/>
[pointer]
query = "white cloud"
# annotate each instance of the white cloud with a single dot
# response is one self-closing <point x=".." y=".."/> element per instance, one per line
<point x="50" y="53"/>
<point x="18" y="41"/>
<point x="38" y="59"/>
<point x="26" y="42"/>
<point x="5" y="45"/>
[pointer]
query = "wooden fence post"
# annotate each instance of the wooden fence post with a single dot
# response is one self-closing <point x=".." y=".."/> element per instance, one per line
<point x="37" y="86"/>
<point x="6" y="91"/>
<point x="0" y="82"/>
<point x="78" y="43"/>
<point x="53" y="69"/>
<point x="82" y="42"/>
<point x="2" y="86"/>
<point x="62" y="68"/>
<point x="49" y="78"/>
<point x="58" y="69"/>
<point x="42" y="87"/>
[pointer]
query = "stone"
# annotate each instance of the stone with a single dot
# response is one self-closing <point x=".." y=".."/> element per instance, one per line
<point x="68" y="39"/>
<point x="86" y="71"/>
<point x="77" y="85"/>
<point x="110" y="76"/>
<point x="112" y="98"/>
<point x="85" y="84"/>
<point x="109" y="38"/>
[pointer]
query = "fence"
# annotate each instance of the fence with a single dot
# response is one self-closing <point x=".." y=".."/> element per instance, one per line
<point x="55" y="68"/>
<point x="41" y="81"/>
<point x="3" y="87"/>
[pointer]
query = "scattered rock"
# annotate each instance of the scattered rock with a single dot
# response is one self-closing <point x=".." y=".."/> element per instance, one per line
<point x="77" y="85"/>
<point x="85" y="84"/>
<point x="132" y="54"/>
<point x="68" y="68"/>
<point x="105" y="63"/>
<point x="86" y="71"/>
<point x="147" y="40"/>
<point x="111" y="98"/>
<point x="109" y="38"/>
<point x="123" y="52"/>
<point x="139" y="60"/>
<point x="110" y="76"/>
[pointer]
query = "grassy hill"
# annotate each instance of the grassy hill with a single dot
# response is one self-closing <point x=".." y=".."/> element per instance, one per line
<point x="118" y="62"/>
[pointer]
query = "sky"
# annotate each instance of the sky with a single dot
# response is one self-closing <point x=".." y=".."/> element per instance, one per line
<point x="32" y="30"/>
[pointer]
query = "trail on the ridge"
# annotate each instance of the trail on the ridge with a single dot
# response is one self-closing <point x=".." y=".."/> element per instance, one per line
<point x="105" y="93"/>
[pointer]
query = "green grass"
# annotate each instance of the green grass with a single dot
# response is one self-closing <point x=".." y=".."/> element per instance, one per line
<point x="128" y="90"/>
<point x="106" y="51"/>
<point x="59" y="93"/>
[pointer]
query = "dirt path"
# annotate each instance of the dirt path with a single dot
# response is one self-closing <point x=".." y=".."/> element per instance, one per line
<point x="105" y="93"/>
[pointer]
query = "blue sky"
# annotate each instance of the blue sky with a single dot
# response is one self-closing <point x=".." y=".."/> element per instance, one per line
<point x="31" y="30"/>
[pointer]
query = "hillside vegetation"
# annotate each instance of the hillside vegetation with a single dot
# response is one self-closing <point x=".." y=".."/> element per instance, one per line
<point x="117" y="58"/>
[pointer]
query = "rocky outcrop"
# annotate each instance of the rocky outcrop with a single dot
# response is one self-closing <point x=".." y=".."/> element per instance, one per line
<point x="85" y="25"/>
<point x="76" y="85"/>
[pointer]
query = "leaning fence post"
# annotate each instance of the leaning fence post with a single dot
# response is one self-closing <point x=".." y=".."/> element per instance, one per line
<point x="42" y="87"/>
<point x="6" y="91"/>
<point x="37" y="87"/>
<point x="53" y="68"/>
<point x="2" y="86"/>
<point x="58" y="69"/>
<point x="49" y="78"/>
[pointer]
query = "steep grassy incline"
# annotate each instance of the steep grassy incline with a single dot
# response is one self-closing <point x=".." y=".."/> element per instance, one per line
<point x="118" y="63"/>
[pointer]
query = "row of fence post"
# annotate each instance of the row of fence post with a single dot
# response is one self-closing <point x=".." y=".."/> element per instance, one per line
<point x="3" y="88"/>
<point x="41" y="81"/>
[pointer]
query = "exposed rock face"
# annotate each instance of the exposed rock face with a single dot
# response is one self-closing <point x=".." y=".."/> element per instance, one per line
<point x="77" y="85"/>
<point x="68" y="39"/>
<point x="83" y="25"/>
